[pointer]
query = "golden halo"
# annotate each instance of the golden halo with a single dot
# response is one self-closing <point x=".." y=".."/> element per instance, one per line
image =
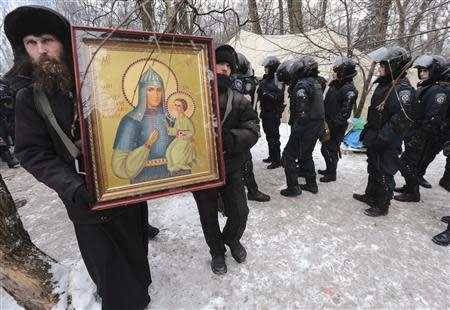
<point x="131" y="76"/>
<point x="180" y="95"/>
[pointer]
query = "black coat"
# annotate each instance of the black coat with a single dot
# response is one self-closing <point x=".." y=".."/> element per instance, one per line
<point x="240" y="129"/>
<point x="338" y="103"/>
<point x="42" y="153"/>
<point x="388" y="126"/>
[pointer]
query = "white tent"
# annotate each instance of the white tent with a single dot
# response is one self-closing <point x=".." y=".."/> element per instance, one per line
<point x="323" y="44"/>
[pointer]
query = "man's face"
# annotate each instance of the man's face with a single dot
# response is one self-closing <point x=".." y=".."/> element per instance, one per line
<point x="42" y="48"/>
<point x="334" y="75"/>
<point x="382" y="69"/>
<point x="424" y="74"/>
<point x="154" y="96"/>
<point x="223" y="68"/>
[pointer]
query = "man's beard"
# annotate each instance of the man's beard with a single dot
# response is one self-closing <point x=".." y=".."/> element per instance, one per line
<point x="52" y="75"/>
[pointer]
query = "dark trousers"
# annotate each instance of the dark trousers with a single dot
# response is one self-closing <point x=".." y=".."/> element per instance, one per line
<point x="249" y="176"/>
<point x="331" y="149"/>
<point x="382" y="165"/>
<point x="271" y="127"/>
<point x="300" y="146"/>
<point x="431" y="149"/>
<point x="115" y="255"/>
<point x="236" y="211"/>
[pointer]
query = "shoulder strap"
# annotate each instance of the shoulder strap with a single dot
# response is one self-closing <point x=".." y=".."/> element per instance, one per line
<point x="43" y="106"/>
<point x="229" y="105"/>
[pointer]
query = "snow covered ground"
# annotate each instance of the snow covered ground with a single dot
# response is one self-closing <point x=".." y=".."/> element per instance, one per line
<point x="310" y="252"/>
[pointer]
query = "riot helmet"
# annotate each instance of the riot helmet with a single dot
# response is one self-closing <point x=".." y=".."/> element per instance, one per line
<point x="435" y="64"/>
<point x="305" y="66"/>
<point x="283" y="71"/>
<point x="243" y="65"/>
<point x="445" y="75"/>
<point x="225" y="53"/>
<point x="345" y="68"/>
<point x="272" y="63"/>
<point x="396" y="60"/>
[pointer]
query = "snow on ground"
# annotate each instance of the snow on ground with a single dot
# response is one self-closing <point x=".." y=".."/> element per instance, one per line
<point x="309" y="252"/>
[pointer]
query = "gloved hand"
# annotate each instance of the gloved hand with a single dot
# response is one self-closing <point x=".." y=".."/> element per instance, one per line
<point x="82" y="197"/>
<point x="446" y="148"/>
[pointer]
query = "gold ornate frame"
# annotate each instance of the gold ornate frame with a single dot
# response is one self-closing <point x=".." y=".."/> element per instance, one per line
<point x="108" y="67"/>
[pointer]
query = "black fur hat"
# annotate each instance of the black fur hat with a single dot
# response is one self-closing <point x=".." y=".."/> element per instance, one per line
<point x="35" y="20"/>
<point x="225" y="53"/>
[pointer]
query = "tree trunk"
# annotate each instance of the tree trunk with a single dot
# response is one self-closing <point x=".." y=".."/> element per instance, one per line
<point x="254" y="16"/>
<point x="171" y="15"/>
<point x="365" y="91"/>
<point x="295" y="16"/>
<point x="382" y="19"/>
<point x="280" y="8"/>
<point x="147" y="15"/>
<point x="401" y="9"/>
<point x="415" y="24"/>
<point x="323" y="13"/>
<point x="184" y="24"/>
<point x="24" y="269"/>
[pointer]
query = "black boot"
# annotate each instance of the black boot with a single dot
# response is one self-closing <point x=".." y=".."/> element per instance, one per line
<point x="383" y="200"/>
<point x="443" y="238"/>
<point x="365" y="198"/>
<point x="9" y="159"/>
<point x="376" y="211"/>
<point x="238" y="252"/>
<point x="293" y="191"/>
<point x="424" y="183"/>
<point x="218" y="265"/>
<point x="310" y="186"/>
<point x="411" y="195"/>
<point x="274" y="165"/>
<point x="274" y="152"/>
<point x="402" y="189"/>
<point x="370" y="193"/>
<point x="152" y="232"/>
<point x="323" y="172"/>
<point x="257" y="195"/>
<point x="445" y="183"/>
<point x="267" y="160"/>
<point x="330" y="177"/>
<point x="446" y="219"/>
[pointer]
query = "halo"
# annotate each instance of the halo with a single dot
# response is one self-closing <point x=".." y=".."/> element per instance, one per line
<point x="180" y="95"/>
<point x="132" y="74"/>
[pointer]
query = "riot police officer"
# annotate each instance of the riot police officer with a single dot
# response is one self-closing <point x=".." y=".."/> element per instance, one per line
<point x="433" y="96"/>
<point x="271" y="97"/>
<point x="307" y="119"/>
<point x="445" y="180"/>
<point x="6" y="125"/>
<point x="245" y="82"/>
<point x="338" y="103"/>
<point x="389" y="118"/>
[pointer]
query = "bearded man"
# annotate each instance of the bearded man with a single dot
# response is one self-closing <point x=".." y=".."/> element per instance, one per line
<point x="114" y="248"/>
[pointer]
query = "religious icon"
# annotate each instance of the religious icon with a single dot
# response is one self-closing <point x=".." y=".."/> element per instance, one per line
<point x="149" y="107"/>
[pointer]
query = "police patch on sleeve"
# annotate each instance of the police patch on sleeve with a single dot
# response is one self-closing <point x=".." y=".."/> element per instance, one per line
<point x="405" y="96"/>
<point x="301" y="93"/>
<point x="440" y="98"/>
<point x="238" y="85"/>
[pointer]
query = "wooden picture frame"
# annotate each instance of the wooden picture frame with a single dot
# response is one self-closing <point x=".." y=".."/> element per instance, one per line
<point x="148" y="106"/>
